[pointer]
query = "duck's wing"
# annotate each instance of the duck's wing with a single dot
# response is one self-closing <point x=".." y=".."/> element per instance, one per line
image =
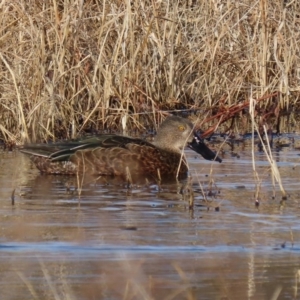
<point x="62" y="151"/>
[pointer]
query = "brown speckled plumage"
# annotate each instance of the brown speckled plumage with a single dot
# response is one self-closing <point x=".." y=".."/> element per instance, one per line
<point x="138" y="159"/>
<point x="118" y="155"/>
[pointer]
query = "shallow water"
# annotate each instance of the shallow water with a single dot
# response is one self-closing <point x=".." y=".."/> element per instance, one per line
<point x="106" y="241"/>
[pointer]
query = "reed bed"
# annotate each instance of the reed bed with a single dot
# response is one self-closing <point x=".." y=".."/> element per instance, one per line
<point x="70" y="67"/>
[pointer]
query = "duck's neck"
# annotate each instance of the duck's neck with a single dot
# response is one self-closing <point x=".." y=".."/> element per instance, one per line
<point x="167" y="147"/>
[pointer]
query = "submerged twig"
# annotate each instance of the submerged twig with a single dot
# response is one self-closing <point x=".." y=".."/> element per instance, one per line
<point x="13" y="197"/>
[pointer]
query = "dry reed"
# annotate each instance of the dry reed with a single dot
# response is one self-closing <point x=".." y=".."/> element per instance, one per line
<point x="73" y="66"/>
<point x="267" y="150"/>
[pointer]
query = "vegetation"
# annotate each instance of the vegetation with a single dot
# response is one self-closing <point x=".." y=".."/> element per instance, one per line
<point x="68" y="67"/>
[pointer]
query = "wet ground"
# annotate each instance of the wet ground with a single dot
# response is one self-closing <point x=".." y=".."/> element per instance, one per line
<point x="106" y="241"/>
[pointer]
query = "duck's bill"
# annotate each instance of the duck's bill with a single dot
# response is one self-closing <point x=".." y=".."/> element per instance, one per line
<point x="198" y="146"/>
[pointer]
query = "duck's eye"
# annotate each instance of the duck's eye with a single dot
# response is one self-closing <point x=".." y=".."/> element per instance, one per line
<point x="181" y="128"/>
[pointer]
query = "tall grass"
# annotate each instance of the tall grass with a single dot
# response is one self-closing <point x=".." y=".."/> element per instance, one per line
<point x="71" y="66"/>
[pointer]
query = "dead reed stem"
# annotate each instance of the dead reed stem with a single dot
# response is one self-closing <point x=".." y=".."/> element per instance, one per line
<point x="267" y="151"/>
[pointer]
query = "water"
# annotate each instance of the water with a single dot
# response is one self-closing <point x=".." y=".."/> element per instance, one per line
<point x="111" y="242"/>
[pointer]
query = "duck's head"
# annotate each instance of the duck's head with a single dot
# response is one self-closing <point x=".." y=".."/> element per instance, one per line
<point x="175" y="133"/>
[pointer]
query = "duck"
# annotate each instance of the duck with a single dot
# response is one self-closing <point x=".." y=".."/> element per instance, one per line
<point x="117" y="155"/>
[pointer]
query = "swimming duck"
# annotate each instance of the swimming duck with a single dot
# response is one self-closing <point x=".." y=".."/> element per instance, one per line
<point x="116" y="155"/>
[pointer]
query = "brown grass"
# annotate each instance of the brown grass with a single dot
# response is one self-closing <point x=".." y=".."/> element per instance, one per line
<point x="74" y="66"/>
